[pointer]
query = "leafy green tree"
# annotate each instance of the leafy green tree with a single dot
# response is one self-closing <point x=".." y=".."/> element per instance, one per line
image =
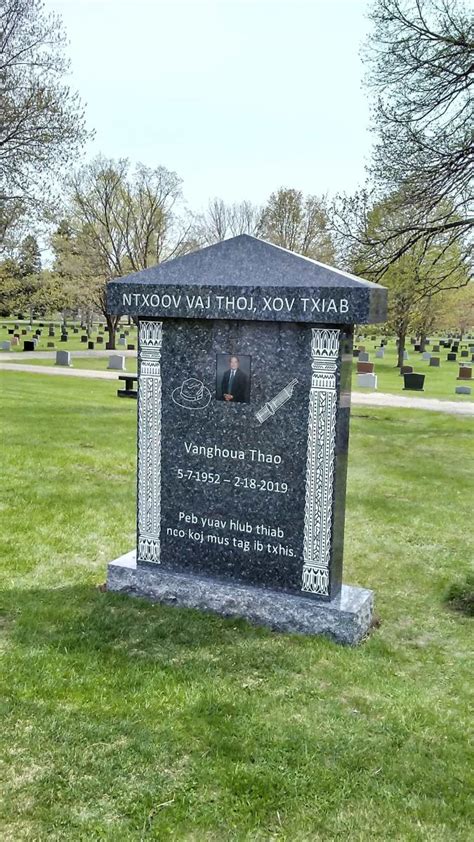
<point x="10" y="287"/>
<point x="77" y="274"/>
<point x="29" y="256"/>
<point x="29" y="262"/>
<point x="456" y="310"/>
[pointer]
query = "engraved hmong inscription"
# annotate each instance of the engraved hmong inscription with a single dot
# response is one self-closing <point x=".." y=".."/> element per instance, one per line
<point x="320" y="461"/>
<point x="149" y="441"/>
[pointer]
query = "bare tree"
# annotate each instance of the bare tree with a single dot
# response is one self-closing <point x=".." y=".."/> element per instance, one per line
<point x="42" y="126"/>
<point x="245" y="218"/>
<point x="298" y="223"/>
<point x="416" y="279"/>
<point x="221" y="220"/>
<point x="119" y="222"/>
<point x="420" y="59"/>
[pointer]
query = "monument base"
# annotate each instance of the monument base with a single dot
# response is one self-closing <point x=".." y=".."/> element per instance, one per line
<point x="345" y="619"/>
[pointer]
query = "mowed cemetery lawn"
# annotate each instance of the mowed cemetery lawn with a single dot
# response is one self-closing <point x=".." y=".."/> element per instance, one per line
<point x="123" y="720"/>
<point x="439" y="382"/>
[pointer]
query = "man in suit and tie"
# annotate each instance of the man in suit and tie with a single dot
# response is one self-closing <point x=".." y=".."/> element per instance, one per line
<point x="234" y="382"/>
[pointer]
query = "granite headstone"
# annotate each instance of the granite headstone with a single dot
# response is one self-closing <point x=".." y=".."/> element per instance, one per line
<point x="414" y="382"/>
<point x="63" y="358"/>
<point x="116" y="362"/>
<point x="367" y="381"/>
<point x="244" y="372"/>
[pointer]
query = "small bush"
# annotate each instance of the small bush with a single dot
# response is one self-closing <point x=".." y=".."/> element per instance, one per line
<point x="460" y="595"/>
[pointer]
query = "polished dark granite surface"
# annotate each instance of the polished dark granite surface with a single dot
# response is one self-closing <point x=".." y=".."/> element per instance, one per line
<point x="245" y="278"/>
<point x="233" y="485"/>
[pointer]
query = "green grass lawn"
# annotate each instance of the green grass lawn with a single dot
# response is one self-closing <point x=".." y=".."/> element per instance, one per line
<point x="123" y="720"/>
<point x="439" y="382"/>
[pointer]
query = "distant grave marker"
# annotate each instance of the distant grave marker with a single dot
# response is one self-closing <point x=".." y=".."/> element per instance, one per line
<point x="63" y="358"/>
<point x="414" y="382"/>
<point x="367" y="381"/>
<point x="365" y="368"/>
<point x="116" y="362"/>
<point x="465" y="372"/>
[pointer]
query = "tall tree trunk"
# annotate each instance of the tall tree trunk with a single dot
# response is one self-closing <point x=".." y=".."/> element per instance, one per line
<point x="422" y="342"/>
<point x="402" y="335"/>
<point x="112" y="322"/>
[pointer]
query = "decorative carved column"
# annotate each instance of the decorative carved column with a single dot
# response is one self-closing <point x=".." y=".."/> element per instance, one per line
<point x="320" y="461"/>
<point x="149" y="441"/>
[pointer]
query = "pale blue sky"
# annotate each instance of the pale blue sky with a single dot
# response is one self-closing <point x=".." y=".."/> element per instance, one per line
<point x="239" y="97"/>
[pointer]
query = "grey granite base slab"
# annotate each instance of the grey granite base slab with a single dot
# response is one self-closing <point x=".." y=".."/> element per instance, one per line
<point x="345" y="619"/>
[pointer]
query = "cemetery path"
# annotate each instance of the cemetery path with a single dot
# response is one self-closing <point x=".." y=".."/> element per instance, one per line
<point x="357" y="398"/>
<point x="402" y="402"/>
<point x="51" y="355"/>
<point x="62" y="370"/>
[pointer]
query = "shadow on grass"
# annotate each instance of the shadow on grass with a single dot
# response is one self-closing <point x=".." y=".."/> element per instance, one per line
<point x="82" y="619"/>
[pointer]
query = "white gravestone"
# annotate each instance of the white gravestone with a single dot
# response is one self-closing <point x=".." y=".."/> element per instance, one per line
<point x="6" y="345"/>
<point x="380" y="353"/>
<point x="367" y="381"/>
<point x="117" y="362"/>
<point x="63" y="358"/>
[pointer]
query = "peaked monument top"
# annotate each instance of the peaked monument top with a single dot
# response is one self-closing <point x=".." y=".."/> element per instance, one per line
<point x="248" y="278"/>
